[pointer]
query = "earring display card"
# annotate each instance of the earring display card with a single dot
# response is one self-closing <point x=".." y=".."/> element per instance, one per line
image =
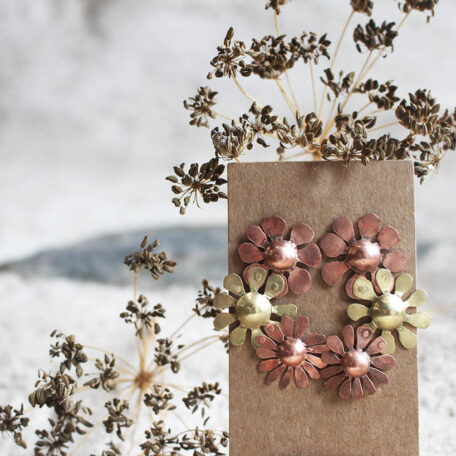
<point x="268" y="421"/>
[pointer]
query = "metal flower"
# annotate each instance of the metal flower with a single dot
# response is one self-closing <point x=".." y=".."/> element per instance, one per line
<point x="361" y="255"/>
<point x="252" y="309"/>
<point x="286" y="353"/>
<point x="388" y="311"/>
<point x="268" y="248"/>
<point x="354" y="366"/>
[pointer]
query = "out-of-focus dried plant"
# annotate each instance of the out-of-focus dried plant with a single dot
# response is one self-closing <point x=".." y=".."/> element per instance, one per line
<point x="128" y="391"/>
<point x="351" y="118"/>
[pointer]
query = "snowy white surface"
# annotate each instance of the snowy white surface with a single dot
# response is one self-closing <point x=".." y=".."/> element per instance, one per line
<point x="91" y="121"/>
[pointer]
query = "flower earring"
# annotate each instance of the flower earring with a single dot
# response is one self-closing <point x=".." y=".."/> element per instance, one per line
<point x="268" y="248"/>
<point x="252" y="309"/>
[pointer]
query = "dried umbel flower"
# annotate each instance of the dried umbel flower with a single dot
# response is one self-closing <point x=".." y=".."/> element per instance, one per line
<point x="383" y="95"/>
<point x="362" y="6"/>
<point x="355" y="364"/>
<point x="70" y="350"/>
<point x="159" y="400"/>
<point x="117" y="419"/>
<point x="268" y="248"/>
<point x="373" y="36"/>
<point x="252" y="309"/>
<point x="204" y="180"/>
<point x="232" y="140"/>
<point x="139" y="314"/>
<point x="420" y="5"/>
<point x="286" y="353"/>
<point x="229" y="58"/>
<point x="156" y="263"/>
<point x="200" y="397"/>
<point x="205" y="301"/>
<point x="388" y="309"/>
<point x="276" y="5"/>
<point x="200" y="105"/>
<point x="309" y="47"/>
<point x="338" y="87"/>
<point x="363" y="254"/>
<point x="107" y="374"/>
<point x="13" y="422"/>
<point x="165" y="355"/>
<point x="53" y="389"/>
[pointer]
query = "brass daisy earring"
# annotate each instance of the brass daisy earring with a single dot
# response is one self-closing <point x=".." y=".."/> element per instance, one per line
<point x="286" y="353"/>
<point x="388" y="310"/>
<point x="251" y="308"/>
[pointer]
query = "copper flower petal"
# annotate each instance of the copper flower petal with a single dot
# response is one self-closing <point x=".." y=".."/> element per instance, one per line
<point x="273" y="226"/>
<point x="378" y="376"/>
<point x="286" y="378"/>
<point x="369" y="387"/>
<point x="265" y="353"/>
<point x="363" y="336"/>
<point x="335" y="345"/>
<point x="257" y="236"/>
<point x="349" y="285"/>
<point x="313" y="373"/>
<point x="344" y="228"/>
<point x="332" y="273"/>
<point x="318" y="348"/>
<point x="357" y="389"/>
<point x="301" y="378"/>
<point x="345" y="389"/>
<point x="268" y="365"/>
<point x="273" y="331"/>
<point x="334" y="382"/>
<point x="299" y="281"/>
<point x="330" y="358"/>
<point x="331" y="371"/>
<point x="265" y="342"/>
<point x="395" y="261"/>
<point x="315" y="339"/>
<point x="377" y="346"/>
<point x="301" y="233"/>
<point x="250" y="253"/>
<point x="368" y="225"/>
<point x="253" y="265"/>
<point x="310" y="255"/>
<point x="301" y="325"/>
<point x="388" y="238"/>
<point x="287" y="326"/>
<point x="316" y="361"/>
<point x="275" y="374"/>
<point x="332" y="245"/>
<point x="348" y="334"/>
<point x="383" y="362"/>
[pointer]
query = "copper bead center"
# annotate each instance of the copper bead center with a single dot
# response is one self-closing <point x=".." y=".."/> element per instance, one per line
<point x="356" y="363"/>
<point x="281" y="255"/>
<point x="363" y="255"/>
<point x="292" y="352"/>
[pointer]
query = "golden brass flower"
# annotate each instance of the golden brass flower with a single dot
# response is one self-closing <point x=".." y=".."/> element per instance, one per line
<point x="388" y="311"/>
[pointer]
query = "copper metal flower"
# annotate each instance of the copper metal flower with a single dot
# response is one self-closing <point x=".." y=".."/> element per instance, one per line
<point x="286" y="353"/>
<point x="354" y="366"/>
<point x="252" y="309"/>
<point x="362" y="255"/>
<point x="388" y="311"/>
<point x="268" y="248"/>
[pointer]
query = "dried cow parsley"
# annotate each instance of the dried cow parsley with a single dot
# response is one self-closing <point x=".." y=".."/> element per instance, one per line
<point x="201" y="105"/>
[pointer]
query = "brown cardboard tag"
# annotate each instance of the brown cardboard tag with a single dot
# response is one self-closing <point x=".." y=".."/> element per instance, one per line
<point x="267" y="421"/>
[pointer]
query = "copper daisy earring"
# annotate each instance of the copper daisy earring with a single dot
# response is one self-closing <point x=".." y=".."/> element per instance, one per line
<point x="361" y="254"/>
<point x="355" y="365"/>
<point x="251" y="308"/>
<point x="388" y="310"/>
<point x="286" y="353"/>
<point x="268" y="248"/>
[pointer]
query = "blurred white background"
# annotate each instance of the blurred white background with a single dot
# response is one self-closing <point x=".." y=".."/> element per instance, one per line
<point x="91" y="121"/>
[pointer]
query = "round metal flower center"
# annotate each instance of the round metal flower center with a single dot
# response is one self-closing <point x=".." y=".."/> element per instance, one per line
<point x="253" y="310"/>
<point x="281" y="255"/>
<point x="356" y="363"/>
<point x="363" y="255"/>
<point x="388" y="311"/>
<point x="292" y="352"/>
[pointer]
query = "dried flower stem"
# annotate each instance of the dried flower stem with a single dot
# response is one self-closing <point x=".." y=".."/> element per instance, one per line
<point x="380" y="127"/>
<point x="286" y="97"/>
<point x="314" y="90"/>
<point x="333" y="60"/>
<point x="91" y="347"/>
<point x="253" y="100"/>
